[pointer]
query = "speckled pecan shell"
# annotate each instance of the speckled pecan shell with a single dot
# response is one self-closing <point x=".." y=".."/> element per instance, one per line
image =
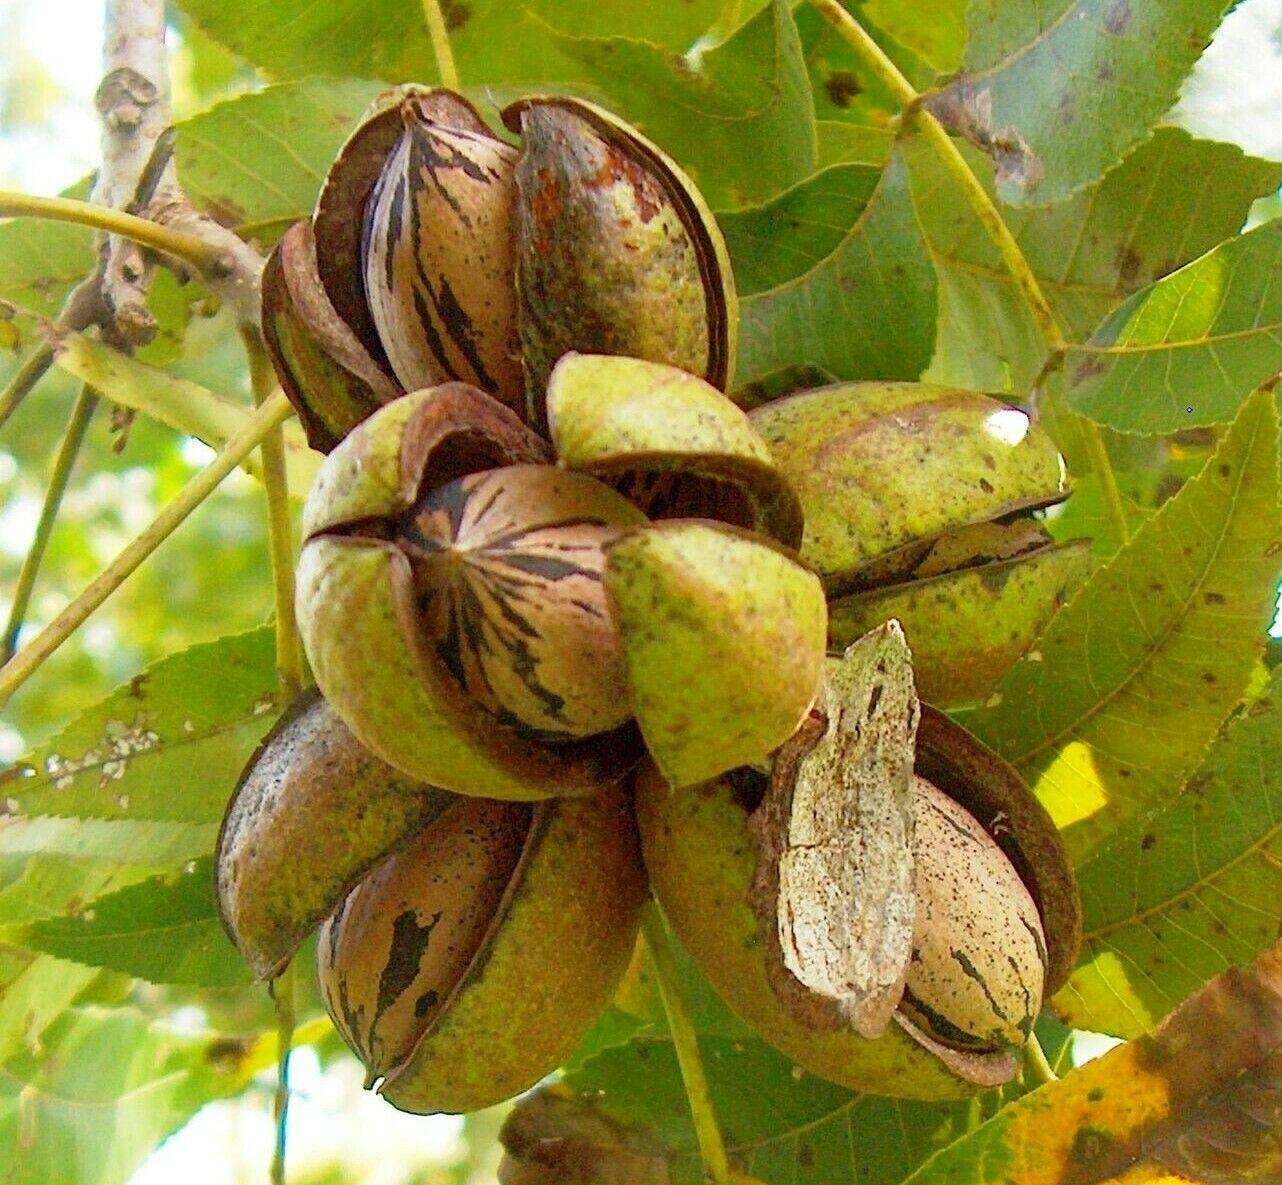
<point x="467" y="967"/>
<point x="617" y="253"/>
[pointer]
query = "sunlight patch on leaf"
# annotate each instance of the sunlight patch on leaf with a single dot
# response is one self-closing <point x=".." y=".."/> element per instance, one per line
<point x="1188" y="350"/>
<point x="1179" y="896"/>
<point x="1144" y="664"/>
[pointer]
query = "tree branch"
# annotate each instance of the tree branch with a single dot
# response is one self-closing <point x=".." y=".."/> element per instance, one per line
<point x="133" y="104"/>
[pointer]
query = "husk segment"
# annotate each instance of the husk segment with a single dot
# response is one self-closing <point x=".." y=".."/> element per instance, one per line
<point x="834" y="882"/>
<point x="882" y="466"/>
<point x="617" y="251"/>
<point x="312" y="813"/>
<point x="328" y="375"/>
<point x="559" y="944"/>
<point x="919" y="504"/>
<point x="702" y="862"/>
<point x="339" y="219"/>
<point x="758" y="916"/>
<point x="968" y="626"/>
<point x="672" y="442"/>
<point x="723" y="634"/>
<point x="420" y="442"/>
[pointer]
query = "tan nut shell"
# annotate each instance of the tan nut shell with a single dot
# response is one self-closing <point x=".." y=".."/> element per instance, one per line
<point x="508" y="565"/>
<point x="547" y="965"/>
<point x="979" y="957"/>
<point x="439" y="260"/>
<point x="313" y="811"/>
<point x="339" y="219"/>
<point x="617" y="252"/>
<point x="395" y="947"/>
<point x="359" y="617"/>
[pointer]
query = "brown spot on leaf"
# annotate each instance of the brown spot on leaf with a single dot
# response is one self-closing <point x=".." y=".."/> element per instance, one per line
<point x="1128" y="269"/>
<point x="456" y="14"/>
<point x="1118" y="19"/>
<point x="1087" y="368"/>
<point x="842" y="87"/>
<point x="1090" y="1146"/>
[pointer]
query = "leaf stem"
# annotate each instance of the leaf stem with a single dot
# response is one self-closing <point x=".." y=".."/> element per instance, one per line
<point x="274" y="411"/>
<point x="1036" y="1063"/>
<point x="711" y="1147"/>
<point x="23" y="381"/>
<point x="440" y="35"/>
<point x="283" y="995"/>
<point x="1114" y="508"/>
<point x="889" y="75"/>
<point x="1021" y="274"/>
<point x="65" y="460"/>
<point x="184" y="247"/>
<point x="280" y="531"/>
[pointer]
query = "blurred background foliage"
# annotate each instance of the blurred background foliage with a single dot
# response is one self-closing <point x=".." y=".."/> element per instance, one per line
<point x="208" y="579"/>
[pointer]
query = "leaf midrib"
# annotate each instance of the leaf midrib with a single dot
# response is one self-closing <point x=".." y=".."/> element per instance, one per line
<point x="1178" y="619"/>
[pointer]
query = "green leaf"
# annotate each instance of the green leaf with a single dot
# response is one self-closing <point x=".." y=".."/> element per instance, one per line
<point x="935" y="32"/>
<point x="1060" y="92"/>
<point x="1084" y="515"/>
<point x="50" y="885"/>
<point x="845" y="89"/>
<point x="256" y="162"/>
<point x="165" y="930"/>
<point x="779" y="1125"/>
<point x="34" y="991"/>
<point x="165" y="748"/>
<point x="1132" y="679"/>
<point x="740" y="121"/>
<point x="1090" y="252"/>
<point x="494" y="41"/>
<point x="1199" y="1098"/>
<point x="1188" y="350"/>
<point x="142" y="844"/>
<point x="40" y="261"/>
<point x="768" y="243"/>
<point x="1186" y="893"/>
<point x="866" y="309"/>
<point x="844" y="143"/>
<point x="117" y="1086"/>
